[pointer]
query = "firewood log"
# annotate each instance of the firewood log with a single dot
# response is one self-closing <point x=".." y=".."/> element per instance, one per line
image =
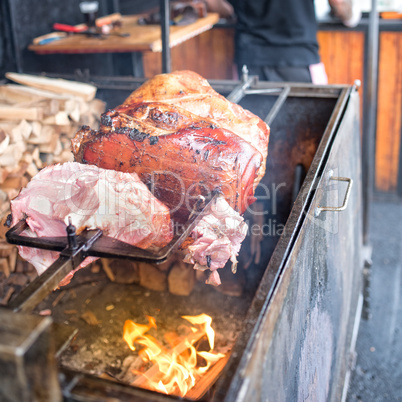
<point x="58" y="85"/>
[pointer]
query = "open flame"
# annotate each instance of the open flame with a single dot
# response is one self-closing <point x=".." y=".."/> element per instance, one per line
<point x="177" y="367"/>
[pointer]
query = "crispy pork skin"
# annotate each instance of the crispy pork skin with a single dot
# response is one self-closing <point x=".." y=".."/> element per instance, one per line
<point x="193" y="93"/>
<point x="118" y="203"/>
<point x="177" y="154"/>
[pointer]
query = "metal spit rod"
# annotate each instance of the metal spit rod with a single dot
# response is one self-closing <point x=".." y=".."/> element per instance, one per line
<point x="165" y="31"/>
<point x="239" y="91"/>
<point x="90" y="243"/>
<point x="277" y="105"/>
<point x="243" y="89"/>
<point x="70" y="258"/>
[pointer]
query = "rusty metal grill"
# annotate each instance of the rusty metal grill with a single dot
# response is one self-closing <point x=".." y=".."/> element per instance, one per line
<point x="310" y="127"/>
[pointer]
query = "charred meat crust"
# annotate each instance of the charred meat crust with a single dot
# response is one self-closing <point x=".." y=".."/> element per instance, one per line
<point x="189" y="162"/>
<point x="85" y="134"/>
<point x="192" y="93"/>
<point x="151" y="116"/>
<point x="133" y="133"/>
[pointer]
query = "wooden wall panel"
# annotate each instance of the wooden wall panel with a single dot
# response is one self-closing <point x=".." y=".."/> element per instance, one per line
<point x="342" y="53"/>
<point x="209" y="54"/>
<point x="389" y="111"/>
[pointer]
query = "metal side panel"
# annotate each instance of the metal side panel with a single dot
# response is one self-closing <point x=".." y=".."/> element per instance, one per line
<point x="302" y="348"/>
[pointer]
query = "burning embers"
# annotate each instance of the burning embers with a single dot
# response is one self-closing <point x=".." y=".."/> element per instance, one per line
<point x="177" y="365"/>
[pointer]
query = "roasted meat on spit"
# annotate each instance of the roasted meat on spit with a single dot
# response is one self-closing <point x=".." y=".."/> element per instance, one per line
<point x="184" y="141"/>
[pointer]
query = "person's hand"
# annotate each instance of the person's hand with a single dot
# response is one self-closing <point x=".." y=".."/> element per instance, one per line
<point x="347" y="11"/>
<point x="222" y="7"/>
<point x="341" y="9"/>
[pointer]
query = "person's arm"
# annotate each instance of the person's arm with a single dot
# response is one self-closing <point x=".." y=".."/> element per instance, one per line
<point x="348" y="11"/>
<point x="222" y="7"/>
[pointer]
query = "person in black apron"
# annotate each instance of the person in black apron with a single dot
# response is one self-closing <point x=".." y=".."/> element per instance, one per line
<point x="277" y="39"/>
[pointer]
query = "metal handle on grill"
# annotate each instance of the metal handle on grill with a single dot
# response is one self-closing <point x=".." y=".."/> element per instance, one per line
<point x="318" y="210"/>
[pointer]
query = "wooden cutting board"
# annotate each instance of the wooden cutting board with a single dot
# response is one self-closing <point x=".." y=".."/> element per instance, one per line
<point x="142" y="38"/>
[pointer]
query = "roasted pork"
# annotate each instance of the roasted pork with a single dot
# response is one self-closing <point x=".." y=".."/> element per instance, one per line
<point x="178" y="155"/>
<point x="173" y="140"/>
<point x="183" y="139"/>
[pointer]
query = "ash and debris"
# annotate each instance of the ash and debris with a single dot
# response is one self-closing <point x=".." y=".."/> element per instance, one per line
<point x="99" y="309"/>
<point x="12" y="283"/>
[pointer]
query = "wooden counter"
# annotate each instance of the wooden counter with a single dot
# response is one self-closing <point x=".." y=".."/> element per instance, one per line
<point x="209" y="54"/>
<point x="142" y="38"/>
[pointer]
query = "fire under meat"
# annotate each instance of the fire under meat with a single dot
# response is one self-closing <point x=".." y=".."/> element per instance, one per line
<point x="177" y="364"/>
